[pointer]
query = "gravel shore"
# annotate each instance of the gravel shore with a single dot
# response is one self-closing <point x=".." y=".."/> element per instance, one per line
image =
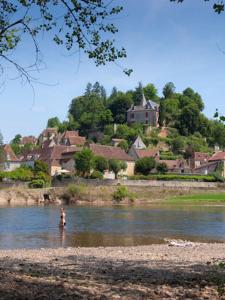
<point x="144" y="272"/>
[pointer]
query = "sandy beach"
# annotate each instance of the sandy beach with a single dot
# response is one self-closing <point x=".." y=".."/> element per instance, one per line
<point x="143" y="272"/>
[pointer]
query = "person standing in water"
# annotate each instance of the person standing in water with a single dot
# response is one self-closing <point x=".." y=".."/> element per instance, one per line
<point x="63" y="218"/>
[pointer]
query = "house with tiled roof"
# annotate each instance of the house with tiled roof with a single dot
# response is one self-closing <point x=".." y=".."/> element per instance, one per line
<point x="47" y="134"/>
<point x="146" y="113"/>
<point x="176" y="166"/>
<point x="110" y="152"/>
<point x="72" y="138"/>
<point x="220" y="158"/>
<point x="198" y="159"/>
<point x="28" y="140"/>
<point x="140" y="153"/>
<point x="50" y="155"/>
<point x="11" y="160"/>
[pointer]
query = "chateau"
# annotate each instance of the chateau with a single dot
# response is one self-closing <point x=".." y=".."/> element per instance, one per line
<point x="146" y="113"/>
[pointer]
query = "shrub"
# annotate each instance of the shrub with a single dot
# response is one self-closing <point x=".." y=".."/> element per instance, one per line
<point x="37" y="183"/>
<point x="74" y="192"/>
<point x="96" y="175"/>
<point x="205" y="178"/>
<point x="22" y="174"/>
<point x="162" y="168"/>
<point x="43" y="176"/>
<point x="121" y="193"/>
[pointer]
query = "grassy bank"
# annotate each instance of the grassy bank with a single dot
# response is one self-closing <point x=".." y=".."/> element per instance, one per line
<point x="104" y="195"/>
<point x="199" y="198"/>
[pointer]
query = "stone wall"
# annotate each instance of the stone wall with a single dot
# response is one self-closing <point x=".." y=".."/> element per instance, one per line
<point x="145" y="183"/>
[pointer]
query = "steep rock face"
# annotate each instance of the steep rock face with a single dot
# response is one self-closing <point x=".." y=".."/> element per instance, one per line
<point x="23" y="196"/>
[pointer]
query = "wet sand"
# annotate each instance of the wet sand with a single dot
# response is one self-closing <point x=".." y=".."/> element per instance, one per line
<point x="142" y="272"/>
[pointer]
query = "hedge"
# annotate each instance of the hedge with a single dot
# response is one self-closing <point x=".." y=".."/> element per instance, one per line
<point x="204" y="178"/>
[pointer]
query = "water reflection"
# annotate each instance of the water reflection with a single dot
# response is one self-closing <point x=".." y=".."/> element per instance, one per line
<point x="32" y="227"/>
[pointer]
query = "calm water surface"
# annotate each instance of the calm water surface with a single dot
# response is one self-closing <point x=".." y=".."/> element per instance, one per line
<point x="89" y="226"/>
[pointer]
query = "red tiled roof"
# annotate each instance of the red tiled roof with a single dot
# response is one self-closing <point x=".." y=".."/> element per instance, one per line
<point x="77" y="141"/>
<point x="72" y="138"/>
<point x="173" y="164"/>
<point x="201" y="156"/>
<point x="69" y="133"/>
<point x="110" y="152"/>
<point x="51" y="155"/>
<point x="218" y="156"/>
<point x="9" y="153"/>
<point x="70" y="154"/>
<point x="147" y="153"/>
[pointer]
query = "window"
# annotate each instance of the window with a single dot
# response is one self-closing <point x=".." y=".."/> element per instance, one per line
<point x="146" y="114"/>
<point x="132" y="116"/>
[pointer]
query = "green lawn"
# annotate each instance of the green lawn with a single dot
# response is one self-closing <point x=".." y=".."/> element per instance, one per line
<point x="199" y="198"/>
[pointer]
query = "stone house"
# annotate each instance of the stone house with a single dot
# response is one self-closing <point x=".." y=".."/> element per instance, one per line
<point x="219" y="157"/>
<point x="198" y="159"/>
<point x="51" y="156"/>
<point x="67" y="160"/>
<point x="146" y="113"/>
<point x="11" y="160"/>
<point x="206" y="169"/>
<point x="47" y="134"/>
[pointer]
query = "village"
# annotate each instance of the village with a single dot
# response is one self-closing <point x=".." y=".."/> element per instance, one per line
<point x="58" y="150"/>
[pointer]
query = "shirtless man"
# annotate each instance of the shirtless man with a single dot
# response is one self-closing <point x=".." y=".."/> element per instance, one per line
<point x="62" y="218"/>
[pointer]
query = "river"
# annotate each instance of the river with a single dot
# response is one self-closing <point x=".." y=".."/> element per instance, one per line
<point x="117" y="225"/>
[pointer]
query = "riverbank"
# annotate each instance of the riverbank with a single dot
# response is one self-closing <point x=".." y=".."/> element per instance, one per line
<point x="101" y="195"/>
<point x="146" y="272"/>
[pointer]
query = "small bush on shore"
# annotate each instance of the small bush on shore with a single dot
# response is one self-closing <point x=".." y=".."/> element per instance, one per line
<point x="37" y="184"/>
<point x="74" y="192"/>
<point x="121" y="193"/>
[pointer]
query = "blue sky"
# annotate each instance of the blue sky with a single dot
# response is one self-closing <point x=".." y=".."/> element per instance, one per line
<point x="164" y="42"/>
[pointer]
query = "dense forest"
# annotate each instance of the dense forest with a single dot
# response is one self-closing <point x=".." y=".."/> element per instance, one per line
<point x="181" y="112"/>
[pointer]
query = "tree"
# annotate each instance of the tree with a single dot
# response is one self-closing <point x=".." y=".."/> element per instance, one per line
<point x="195" y="97"/>
<point x="169" y="90"/>
<point x="145" y="165"/>
<point x="90" y="113"/>
<point x="119" y="106"/>
<point x="178" y="144"/>
<point x="82" y="24"/>
<point x="150" y="92"/>
<point x="53" y="123"/>
<point x="41" y="166"/>
<point x="16" y="139"/>
<point x="84" y="162"/>
<point x="101" y="164"/>
<point x="189" y="119"/>
<point x="217" y="6"/>
<point x="116" y="166"/>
